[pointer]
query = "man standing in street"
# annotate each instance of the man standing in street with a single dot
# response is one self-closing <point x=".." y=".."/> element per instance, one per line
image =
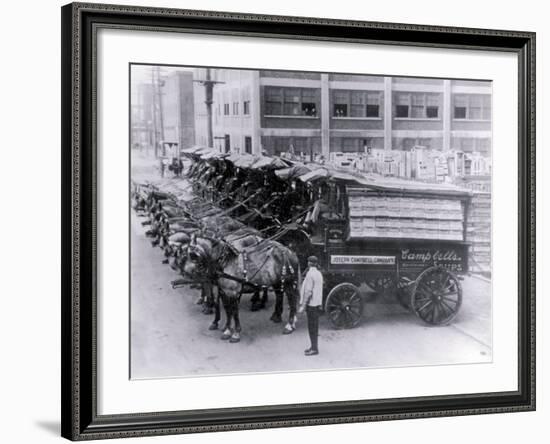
<point x="311" y="299"/>
<point x="162" y="166"/>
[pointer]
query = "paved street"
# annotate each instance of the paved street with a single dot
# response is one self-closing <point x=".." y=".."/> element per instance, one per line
<point x="170" y="336"/>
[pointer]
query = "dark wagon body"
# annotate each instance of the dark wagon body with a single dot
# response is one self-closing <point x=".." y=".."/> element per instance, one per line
<point x="391" y="256"/>
<point x="412" y="245"/>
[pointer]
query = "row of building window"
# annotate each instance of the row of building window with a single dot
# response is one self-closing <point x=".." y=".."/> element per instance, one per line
<point x="356" y="104"/>
<point x="366" y="104"/>
<point x="417" y="105"/>
<point x="226" y="108"/>
<point x="281" y="101"/>
<point x="472" y="106"/>
<point x="291" y="102"/>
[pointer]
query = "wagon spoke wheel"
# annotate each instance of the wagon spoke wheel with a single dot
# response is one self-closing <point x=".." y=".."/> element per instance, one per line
<point x="344" y="306"/>
<point x="436" y="296"/>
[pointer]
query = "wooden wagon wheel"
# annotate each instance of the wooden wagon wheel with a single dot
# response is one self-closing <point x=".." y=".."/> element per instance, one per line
<point x="436" y="296"/>
<point x="344" y="306"/>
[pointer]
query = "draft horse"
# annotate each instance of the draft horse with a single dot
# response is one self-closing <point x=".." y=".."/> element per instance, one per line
<point x="267" y="264"/>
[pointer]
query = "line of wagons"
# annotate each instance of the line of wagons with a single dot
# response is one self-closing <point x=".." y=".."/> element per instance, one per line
<point x="403" y="239"/>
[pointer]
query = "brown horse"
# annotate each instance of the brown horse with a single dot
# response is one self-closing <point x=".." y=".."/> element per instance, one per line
<point x="267" y="264"/>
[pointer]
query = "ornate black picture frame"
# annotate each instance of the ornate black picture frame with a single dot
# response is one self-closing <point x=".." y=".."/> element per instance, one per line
<point x="80" y="22"/>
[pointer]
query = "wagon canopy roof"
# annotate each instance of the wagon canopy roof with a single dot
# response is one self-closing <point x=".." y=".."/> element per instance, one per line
<point x="233" y="157"/>
<point x="382" y="183"/>
<point x="267" y="162"/>
<point x="203" y="150"/>
<point x="192" y="149"/>
<point x="213" y="154"/>
<point x="243" y="160"/>
<point x="292" y="172"/>
<point x="205" y="153"/>
<point x="257" y="162"/>
<point x="403" y="185"/>
<point x="318" y="173"/>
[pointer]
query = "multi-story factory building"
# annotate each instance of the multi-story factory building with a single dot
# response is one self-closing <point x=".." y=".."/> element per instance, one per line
<point x="302" y="112"/>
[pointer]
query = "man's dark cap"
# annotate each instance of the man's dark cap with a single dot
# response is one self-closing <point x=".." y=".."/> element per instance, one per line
<point x="313" y="260"/>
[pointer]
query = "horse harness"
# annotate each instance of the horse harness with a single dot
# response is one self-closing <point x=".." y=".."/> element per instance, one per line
<point x="216" y="272"/>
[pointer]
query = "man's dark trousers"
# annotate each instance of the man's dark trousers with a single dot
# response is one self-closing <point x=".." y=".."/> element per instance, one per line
<point x="313" y="326"/>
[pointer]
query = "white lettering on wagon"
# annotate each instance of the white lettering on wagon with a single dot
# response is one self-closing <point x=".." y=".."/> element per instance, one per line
<point x="362" y="260"/>
<point x="427" y="256"/>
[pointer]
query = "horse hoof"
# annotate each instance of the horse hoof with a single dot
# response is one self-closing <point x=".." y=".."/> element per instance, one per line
<point x="213" y="326"/>
<point x="234" y="339"/>
<point x="165" y="261"/>
<point x="276" y="318"/>
<point x="199" y="301"/>
<point x="226" y="335"/>
<point x="288" y="330"/>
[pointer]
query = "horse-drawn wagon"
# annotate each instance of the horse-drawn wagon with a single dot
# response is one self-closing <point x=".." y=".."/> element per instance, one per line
<point x="400" y="238"/>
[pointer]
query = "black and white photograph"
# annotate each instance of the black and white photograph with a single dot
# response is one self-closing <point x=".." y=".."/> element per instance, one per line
<point x="287" y="221"/>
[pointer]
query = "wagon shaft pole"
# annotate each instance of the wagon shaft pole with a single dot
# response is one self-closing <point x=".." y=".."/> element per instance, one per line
<point x="182" y="282"/>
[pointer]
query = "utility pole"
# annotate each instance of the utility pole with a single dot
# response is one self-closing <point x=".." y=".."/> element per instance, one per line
<point x="209" y="90"/>
<point x="157" y="114"/>
<point x="154" y="113"/>
<point x="159" y="85"/>
<point x="208" y="84"/>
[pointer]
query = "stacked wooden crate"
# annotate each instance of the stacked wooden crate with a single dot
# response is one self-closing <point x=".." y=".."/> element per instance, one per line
<point x="397" y="216"/>
<point x="478" y="232"/>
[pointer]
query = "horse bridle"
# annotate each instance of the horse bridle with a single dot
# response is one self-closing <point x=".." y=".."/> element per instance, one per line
<point x="200" y="255"/>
